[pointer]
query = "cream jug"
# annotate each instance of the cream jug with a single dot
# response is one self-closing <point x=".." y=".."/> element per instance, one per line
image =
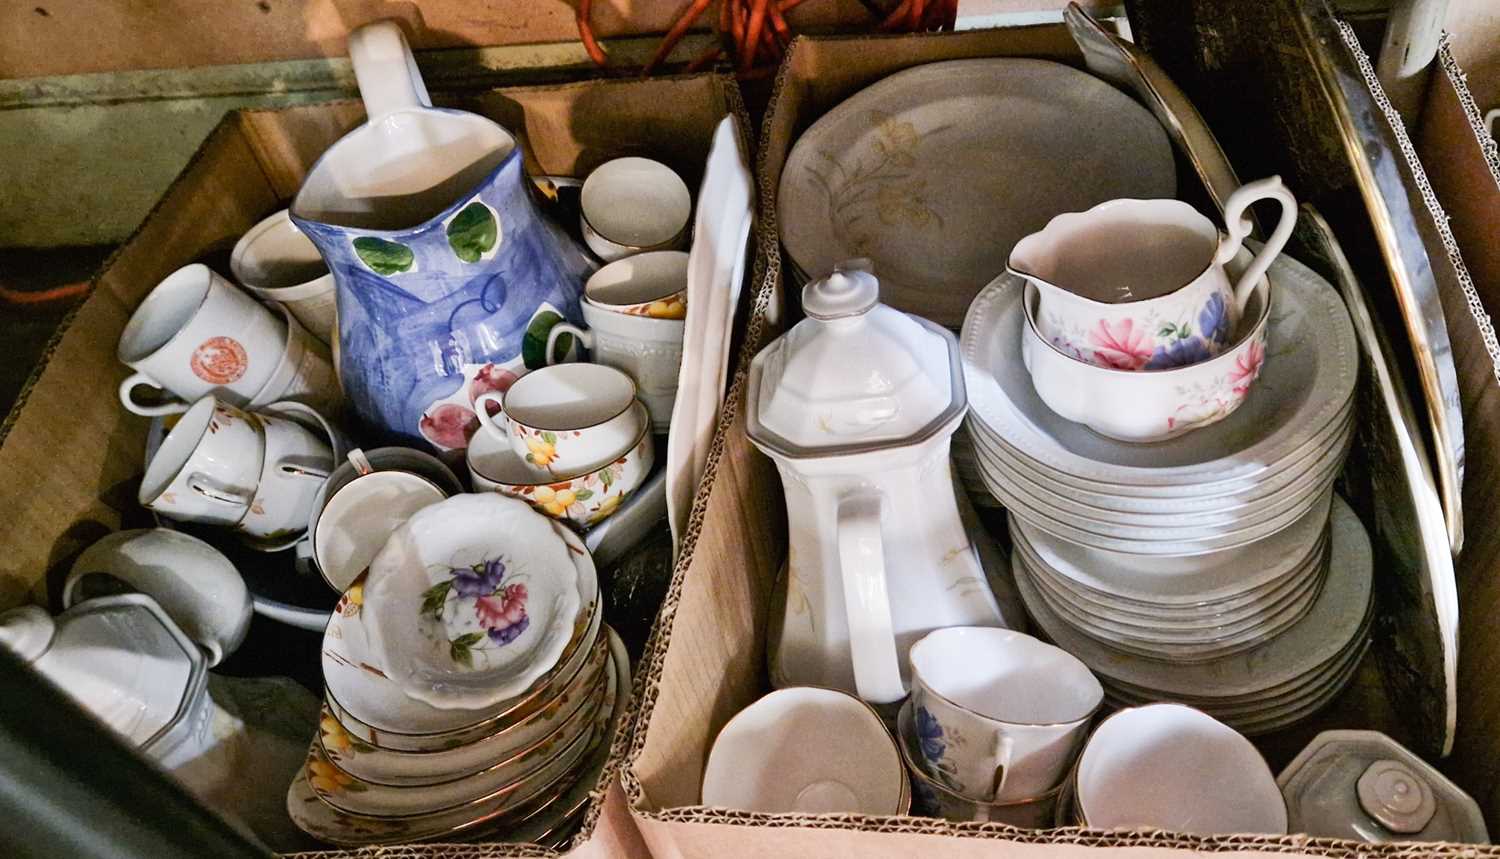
<point x="856" y="405"/>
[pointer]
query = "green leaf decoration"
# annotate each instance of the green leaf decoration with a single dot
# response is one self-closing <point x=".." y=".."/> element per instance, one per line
<point x="534" y="343"/>
<point x="384" y="257"/>
<point x="461" y="649"/>
<point x="583" y="494"/>
<point x="473" y="232"/>
<point x="1167" y="330"/>
<point x="549" y="437"/>
<point x="434" y="597"/>
<point x="607" y="476"/>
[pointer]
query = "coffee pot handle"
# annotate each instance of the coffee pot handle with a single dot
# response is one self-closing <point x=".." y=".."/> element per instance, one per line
<point x="1238" y="226"/>
<point x="867" y="602"/>
<point x="385" y="69"/>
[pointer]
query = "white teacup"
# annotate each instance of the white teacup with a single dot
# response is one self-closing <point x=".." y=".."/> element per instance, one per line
<point x="648" y="350"/>
<point x="376" y="492"/>
<point x="208" y="466"/>
<point x="276" y="262"/>
<point x="1166" y="766"/>
<point x="650" y="284"/>
<point x="632" y="205"/>
<point x="566" y="419"/>
<point x="193" y="582"/>
<point x="295" y="464"/>
<point x="999" y="715"/>
<point x="196" y="334"/>
<point x="305" y="373"/>
<point x="1140" y="284"/>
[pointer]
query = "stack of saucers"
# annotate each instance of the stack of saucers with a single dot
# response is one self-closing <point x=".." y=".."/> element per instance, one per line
<point x="1203" y="568"/>
<point x="390" y="767"/>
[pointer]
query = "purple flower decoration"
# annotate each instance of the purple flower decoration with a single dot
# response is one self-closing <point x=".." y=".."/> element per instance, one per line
<point x="1179" y="353"/>
<point x="1213" y="319"/>
<point x="481" y="582"/>
<point x="505" y="635"/>
<point x="930" y="735"/>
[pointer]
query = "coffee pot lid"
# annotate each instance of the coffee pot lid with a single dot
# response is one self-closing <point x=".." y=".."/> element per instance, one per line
<point x="1365" y="785"/>
<point x="855" y="375"/>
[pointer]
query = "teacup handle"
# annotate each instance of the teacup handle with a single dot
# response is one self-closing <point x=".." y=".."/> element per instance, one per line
<point x="1237" y="226"/>
<point x="561" y="328"/>
<point x="387" y="73"/>
<point x="128" y="386"/>
<point x="295" y="469"/>
<point x="200" y="484"/>
<point x="867" y="601"/>
<point x="1005" y="747"/>
<point x="487" y="421"/>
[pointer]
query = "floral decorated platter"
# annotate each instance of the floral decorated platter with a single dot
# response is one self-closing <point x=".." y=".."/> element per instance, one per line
<point x="936" y="171"/>
<point x="510" y="774"/>
<point x="471" y="601"/>
<point x="539" y="807"/>
<point x="395" y="768"/>
<point x="1310" y="369"/>
<point x="365" y="699"/>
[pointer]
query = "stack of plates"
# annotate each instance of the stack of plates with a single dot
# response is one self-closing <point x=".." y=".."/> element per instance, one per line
<point x="386" y="768"/>
<point x="1205" y="568"/>
<point x="1223" y="486"/>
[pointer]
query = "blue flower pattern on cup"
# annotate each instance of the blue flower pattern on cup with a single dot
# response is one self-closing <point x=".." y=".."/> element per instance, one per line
<point x="935" y="742"/>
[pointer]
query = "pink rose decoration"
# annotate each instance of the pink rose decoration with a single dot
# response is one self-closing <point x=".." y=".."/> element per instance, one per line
<point x="1122" y="345"/>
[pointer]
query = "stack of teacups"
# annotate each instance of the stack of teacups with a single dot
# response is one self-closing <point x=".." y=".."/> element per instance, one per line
<point x="993" y="723"/>
<point x="502" y="730"/>
<point x="257" y="473"/>
<point x="196" y="334"/>
<point x="1170" y="767"/>
<point x="1170" y="568"/>
<point x="571" y="439"/>
<point x="635" y="309"/>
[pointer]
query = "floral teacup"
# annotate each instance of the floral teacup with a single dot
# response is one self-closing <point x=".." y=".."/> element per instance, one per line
<point x="585" y="499"/>
<point x="566" y="419"/>
<point x="998" y="715"/>
<point x="1140" y="284"/>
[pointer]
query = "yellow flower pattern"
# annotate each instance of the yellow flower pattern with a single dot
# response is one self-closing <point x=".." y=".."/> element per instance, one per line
<point x="327" y="778"/>
<point x="540" y="451"/>
<point x="554" y="500"/>
<point x="606" y="509"/>
<point x="872" y="191"/>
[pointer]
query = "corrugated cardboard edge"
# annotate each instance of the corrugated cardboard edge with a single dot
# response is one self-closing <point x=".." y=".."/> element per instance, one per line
<point x="648" y="682"/>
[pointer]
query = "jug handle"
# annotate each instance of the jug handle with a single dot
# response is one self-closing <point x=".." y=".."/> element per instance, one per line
<point x="385" y="69"/>
<point x="1238" y="226"/>
<point x="872" y="636"/>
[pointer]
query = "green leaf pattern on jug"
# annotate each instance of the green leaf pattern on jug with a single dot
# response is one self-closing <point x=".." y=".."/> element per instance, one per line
<point x="384" y="257"/>
<point x="473" y="232"/>
<point x="534" y="344"/>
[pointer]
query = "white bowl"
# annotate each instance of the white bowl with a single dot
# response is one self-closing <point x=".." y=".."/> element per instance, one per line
<point x="1166" y="766"/>
<point x="471" y="601"/>
<point x="1147" y="405"/>
<point x="806" y="750"/>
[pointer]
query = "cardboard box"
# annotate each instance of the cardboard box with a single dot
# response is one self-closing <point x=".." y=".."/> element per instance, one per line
<point x="71" y="456"/>
<point x="707" y="657"/>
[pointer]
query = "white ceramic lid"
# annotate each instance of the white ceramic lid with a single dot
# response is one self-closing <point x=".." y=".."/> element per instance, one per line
<point x="855" y="375"/>
<point x="1365" y="785"/>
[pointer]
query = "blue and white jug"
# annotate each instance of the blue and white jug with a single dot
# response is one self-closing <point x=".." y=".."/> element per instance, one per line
<point x="448" y="277"/>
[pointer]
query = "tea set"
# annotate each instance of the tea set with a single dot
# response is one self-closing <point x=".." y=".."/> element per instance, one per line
<point x="1161" y="404"/>
<point x="414" y="325"/>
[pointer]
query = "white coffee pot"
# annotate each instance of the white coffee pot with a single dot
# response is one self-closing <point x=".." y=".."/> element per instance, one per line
<point x="856" y="405"/>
